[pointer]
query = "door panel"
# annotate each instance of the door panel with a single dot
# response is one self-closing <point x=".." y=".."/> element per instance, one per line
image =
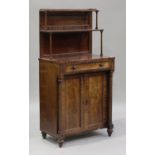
<point x="85" y="102"/>
<point x="72" y="104"/>
<point x="93" y="100"/>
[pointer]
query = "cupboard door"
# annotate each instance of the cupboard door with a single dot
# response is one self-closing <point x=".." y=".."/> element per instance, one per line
<point x="72" y="104"/>
<point x="93" y="90"/>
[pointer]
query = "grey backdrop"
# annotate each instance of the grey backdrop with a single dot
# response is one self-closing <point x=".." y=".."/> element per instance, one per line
<point x="111" y="18"/>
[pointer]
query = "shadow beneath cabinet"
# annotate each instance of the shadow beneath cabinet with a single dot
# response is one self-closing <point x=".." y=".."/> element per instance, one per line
<point x="83" y="138"/>
<point x="93" y="136"/>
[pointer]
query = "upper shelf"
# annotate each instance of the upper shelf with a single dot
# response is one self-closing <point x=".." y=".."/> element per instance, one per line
<point x="70" y="30"/>
<point x="65" y="27"/>
<point x="68" y="10"/>
<point x="65" y="19"/>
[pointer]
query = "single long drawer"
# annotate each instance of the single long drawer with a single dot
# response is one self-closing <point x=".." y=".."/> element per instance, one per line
<point x="88" y="67"/>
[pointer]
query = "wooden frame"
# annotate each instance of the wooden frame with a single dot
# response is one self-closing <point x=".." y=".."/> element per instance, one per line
<point x="75" y="85"/>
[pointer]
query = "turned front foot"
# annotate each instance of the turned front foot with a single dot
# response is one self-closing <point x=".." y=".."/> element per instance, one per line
<point x="43" y="135"/>
<point x="110" y="129"/>
<point x="60" y="141"/>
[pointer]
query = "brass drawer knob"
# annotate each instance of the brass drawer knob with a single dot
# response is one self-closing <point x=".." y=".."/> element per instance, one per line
<point x="100" y="65"/>
<point x="74" y="67"/>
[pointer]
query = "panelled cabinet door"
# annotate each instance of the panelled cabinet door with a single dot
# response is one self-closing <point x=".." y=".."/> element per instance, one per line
<point x="93" y="90"/>
<point x="84" y="102"/>
<point x="72" y="104"/>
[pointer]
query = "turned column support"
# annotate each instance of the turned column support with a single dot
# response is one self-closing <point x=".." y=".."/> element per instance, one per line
<point x="50" y="43"/>
<point x="101" y="54"/>
<point x="61" y="124"/>
<point x="110" y="125"/>
<point x="45" y="22"/>
<point x="96" y="19"/>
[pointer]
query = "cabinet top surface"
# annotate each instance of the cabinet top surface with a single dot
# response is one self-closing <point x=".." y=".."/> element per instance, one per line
<point x="73" y="58"/>
<point x="68" y="10"/>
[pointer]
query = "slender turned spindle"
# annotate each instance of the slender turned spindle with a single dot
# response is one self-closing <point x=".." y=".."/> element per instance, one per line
<point x="96" y="19"/>
<point x="46" y="19"/>
<point x="50" y="43"/>
<point x="101" y="43"/>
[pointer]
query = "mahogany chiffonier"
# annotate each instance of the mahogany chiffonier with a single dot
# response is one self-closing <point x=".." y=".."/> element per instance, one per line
<point x="75" y="85"/>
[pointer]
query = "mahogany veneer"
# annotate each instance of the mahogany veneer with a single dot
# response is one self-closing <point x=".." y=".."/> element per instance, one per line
<point x="75" y="85"/>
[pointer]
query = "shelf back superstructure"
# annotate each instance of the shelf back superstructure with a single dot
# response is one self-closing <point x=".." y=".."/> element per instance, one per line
<point x="66" y="31"/>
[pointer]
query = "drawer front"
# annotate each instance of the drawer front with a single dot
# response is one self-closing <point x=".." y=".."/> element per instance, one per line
<point x="87" y="67"/>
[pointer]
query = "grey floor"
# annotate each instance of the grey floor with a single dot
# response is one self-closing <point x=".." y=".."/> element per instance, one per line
<point x="94" y="143"/>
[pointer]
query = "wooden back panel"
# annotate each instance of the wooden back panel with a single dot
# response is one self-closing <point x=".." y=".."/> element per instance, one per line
<point x="61" y="20"/>
<point x="58" y="42"/>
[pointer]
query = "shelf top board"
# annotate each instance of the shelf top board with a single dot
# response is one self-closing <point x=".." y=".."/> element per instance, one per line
<point x="73" y="30"/>
<point x="68" y="10"/>
<point x="76" y="58"/>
